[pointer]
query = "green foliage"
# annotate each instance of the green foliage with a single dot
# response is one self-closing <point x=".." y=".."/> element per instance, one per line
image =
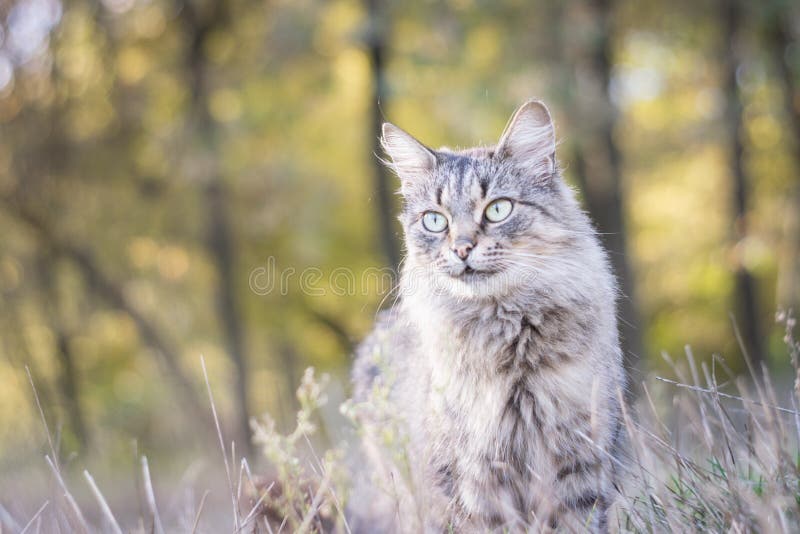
<point x="300" y="494"/>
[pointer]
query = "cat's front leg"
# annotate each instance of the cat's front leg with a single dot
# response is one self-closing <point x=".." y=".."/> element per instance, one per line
<point x="586" y="493"/>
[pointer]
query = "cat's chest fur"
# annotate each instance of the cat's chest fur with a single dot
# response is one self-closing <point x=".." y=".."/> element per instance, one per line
<point x="508" y="394"/>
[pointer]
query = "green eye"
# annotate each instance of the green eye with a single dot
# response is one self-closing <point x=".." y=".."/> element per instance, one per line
<point x="433" y="221"/>
<point x="498" y="210"/>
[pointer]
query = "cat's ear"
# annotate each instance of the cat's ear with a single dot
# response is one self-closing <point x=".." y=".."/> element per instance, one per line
<point x="529" y="139"/>
<point x="411" y="160"/>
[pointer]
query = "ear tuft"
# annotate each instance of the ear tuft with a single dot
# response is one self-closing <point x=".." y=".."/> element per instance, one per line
<point x="411" y="160"/>
<point x="529" y="139"/>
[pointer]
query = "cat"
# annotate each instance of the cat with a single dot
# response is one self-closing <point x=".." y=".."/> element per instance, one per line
<point x="500" y="362"/>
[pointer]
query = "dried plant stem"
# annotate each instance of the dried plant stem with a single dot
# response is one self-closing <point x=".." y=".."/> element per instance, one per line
<point x="151" y="496"/>
<point x="312" y="511"/>
<point x="254" y="509"/>
<point x="41" y="415"/>
<point x="700" y="389"/>
<point x="199" y="511"/>
<point x="34" y="518"/>
<point x="73" y="505"/>
<point x="101" y="501"/>
<point x="222" y="447"/>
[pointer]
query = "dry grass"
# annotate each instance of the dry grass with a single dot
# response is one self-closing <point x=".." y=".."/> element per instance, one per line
<point x="727" y="461"/>
<point x="707" y="452"/>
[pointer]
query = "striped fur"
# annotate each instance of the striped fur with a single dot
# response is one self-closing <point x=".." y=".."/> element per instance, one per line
<point x="506" y="376"/>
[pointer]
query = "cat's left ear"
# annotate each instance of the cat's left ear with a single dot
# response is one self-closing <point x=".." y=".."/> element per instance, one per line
<point x="411" y="160"/>
<point x="529" y="139"/>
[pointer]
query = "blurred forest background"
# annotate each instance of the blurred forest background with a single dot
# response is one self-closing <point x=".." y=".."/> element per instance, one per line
<point x="155" y="154"/>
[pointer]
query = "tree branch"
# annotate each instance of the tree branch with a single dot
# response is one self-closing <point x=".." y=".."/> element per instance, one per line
<point x="110" y="291"/>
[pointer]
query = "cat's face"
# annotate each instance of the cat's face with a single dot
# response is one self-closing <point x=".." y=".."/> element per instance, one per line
<point x="483" y="222"/>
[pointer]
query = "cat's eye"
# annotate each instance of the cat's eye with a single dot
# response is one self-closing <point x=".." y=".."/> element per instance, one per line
<point x="433" y="221"/>
<point x="498" y="210"/>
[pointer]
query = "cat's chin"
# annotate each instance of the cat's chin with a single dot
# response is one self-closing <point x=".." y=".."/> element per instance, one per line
<point x="469" y="284"/>
<point x="472" y="284"/>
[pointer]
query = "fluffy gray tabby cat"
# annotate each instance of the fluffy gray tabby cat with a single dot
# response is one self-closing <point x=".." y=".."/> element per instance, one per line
<point x="501" y="360"/>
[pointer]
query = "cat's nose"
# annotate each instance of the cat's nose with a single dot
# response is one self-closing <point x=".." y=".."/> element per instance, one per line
<point x="462" y="247"/>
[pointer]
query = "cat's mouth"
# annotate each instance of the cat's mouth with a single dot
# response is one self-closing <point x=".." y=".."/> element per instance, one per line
<point x="470" y="273"/>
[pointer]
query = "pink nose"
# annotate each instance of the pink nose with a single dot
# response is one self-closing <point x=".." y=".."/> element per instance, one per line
<point x="462" y="248"/>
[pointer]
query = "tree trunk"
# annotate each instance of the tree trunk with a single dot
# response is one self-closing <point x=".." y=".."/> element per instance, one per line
<point x="376" y="44"/>
<point x="598" y="166"/>
<point x="746" y="303"/>
<point x="221" y="249"/>
<point x="21" y="204"/>
<point x="68" y="375"/>
<point x="788" y="289"/>
<point x="199" y="22"/>
<point x="112" y="293"/>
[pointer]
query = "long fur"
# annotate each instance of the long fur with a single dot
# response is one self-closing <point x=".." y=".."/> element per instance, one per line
<point x="506" y="381"/>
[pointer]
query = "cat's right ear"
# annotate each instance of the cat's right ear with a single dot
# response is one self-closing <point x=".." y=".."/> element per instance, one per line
<point x="529" y="139"/>
<point x="411" y="160"/>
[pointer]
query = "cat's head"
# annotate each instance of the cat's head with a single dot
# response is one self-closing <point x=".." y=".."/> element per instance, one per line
<point x="485" y="221"/>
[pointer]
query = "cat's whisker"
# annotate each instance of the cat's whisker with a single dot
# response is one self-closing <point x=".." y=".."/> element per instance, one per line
<point x="393" y="289"/>
<point x="553" y="258"/>
<point x="544" y="261"/>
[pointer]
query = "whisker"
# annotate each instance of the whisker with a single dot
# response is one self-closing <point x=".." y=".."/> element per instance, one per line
<point x="544" y="260"/>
